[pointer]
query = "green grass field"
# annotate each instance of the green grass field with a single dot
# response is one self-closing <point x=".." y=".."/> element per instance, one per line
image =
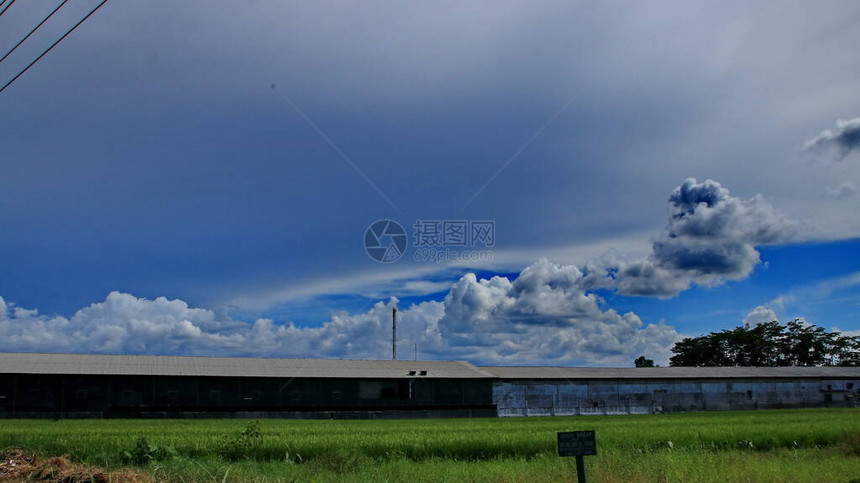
<point x="789" y="445"/>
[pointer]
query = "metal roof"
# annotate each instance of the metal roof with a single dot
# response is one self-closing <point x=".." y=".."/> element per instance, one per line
<point x="136" y="365"/>
<point x="543" y="372"/>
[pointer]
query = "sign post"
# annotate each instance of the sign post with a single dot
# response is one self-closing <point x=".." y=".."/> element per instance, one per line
<point x="579" y="444"/>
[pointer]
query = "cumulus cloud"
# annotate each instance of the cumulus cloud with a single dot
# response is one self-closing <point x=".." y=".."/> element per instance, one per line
<point x="760" y="315"/>
<point x="644" y="278"/>
<point x="841" y="191"/>
<point x="126" y="324"/>
<point x="839" y="142"/>
<point x="121" y="324"/>
<point x="544" y="317"/>
<point x="546" y="314"/>
<point x="711" y="238"/>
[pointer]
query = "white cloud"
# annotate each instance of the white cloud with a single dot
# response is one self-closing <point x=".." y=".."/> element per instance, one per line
<point x="760" y="315"/>
<point x="781" y="301"/>
<point x="379" y="283"/>
<point x="846" y="333"/>
<point x="424" y="287"/>
<point x="841" y="191"/>
<point x="383" y="281"/>
<point x="819" y="291"/>
<point x="544" y="316"/>
<point x="120" y="324"/>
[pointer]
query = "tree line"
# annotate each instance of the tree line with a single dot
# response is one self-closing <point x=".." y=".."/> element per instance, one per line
<point x="770" y="344"/>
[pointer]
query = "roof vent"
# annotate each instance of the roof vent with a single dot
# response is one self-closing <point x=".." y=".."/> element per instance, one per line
<point x="411" y="373"/>
<point x="422" y="373"/>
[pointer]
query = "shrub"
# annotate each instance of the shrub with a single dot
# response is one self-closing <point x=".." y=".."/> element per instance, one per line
<point x="144" y="452"/>
<point x="244" y="445"/>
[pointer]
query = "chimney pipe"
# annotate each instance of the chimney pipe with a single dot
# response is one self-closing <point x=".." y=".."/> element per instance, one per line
<point x="394" y="334"/>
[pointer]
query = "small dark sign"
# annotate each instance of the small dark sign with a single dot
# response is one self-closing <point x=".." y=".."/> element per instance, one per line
<point x="577" y="443"/>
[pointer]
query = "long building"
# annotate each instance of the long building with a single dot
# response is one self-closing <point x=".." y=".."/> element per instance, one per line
<point x="104" y="386"/>
<point x="565" y="391"/>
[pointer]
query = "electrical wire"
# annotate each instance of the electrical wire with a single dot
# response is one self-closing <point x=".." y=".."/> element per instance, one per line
<point x="34" y="29"/>
<point x="7" y="7"/>
<point x="52" y="45"/>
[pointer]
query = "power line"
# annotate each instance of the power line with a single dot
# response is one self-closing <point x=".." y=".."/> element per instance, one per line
<point x="34" y="29"/>
<point x="7" y="7"/>
<point x="52" y="45"/>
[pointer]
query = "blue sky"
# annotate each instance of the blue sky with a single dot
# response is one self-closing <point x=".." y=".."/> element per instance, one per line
<point x="229" y="158"/>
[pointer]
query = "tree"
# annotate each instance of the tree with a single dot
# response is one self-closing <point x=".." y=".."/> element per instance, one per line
<point x="769" y="345"/>
<point x="641" y="361"/>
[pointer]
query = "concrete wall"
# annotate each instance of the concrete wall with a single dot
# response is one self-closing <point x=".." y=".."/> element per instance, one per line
<point x="592" y="397"/>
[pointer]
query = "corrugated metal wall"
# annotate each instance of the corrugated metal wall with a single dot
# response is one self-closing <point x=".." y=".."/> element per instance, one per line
<point x="97" y="396"/>
<point x="572" y="397"/>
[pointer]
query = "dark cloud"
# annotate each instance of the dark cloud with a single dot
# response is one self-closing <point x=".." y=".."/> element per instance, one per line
<point x="839" y="142"/>
<point x="711" y="238"/>
<point x="643" y="278"/>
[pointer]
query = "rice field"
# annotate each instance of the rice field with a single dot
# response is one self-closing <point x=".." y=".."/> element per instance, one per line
<point x="785" y="445"/>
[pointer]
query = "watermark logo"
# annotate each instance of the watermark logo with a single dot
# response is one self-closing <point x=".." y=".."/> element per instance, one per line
<point x="385" y="241"/>
<point x="453" y="240"/>
<point x="454" y="233"/>
<point x="434" y="240"/>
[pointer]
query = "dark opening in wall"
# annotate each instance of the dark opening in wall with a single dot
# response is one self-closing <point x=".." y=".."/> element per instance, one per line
<point x="128" y="397"/>
<point x="370" y="390"/>
<point x="403" y="389"/>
